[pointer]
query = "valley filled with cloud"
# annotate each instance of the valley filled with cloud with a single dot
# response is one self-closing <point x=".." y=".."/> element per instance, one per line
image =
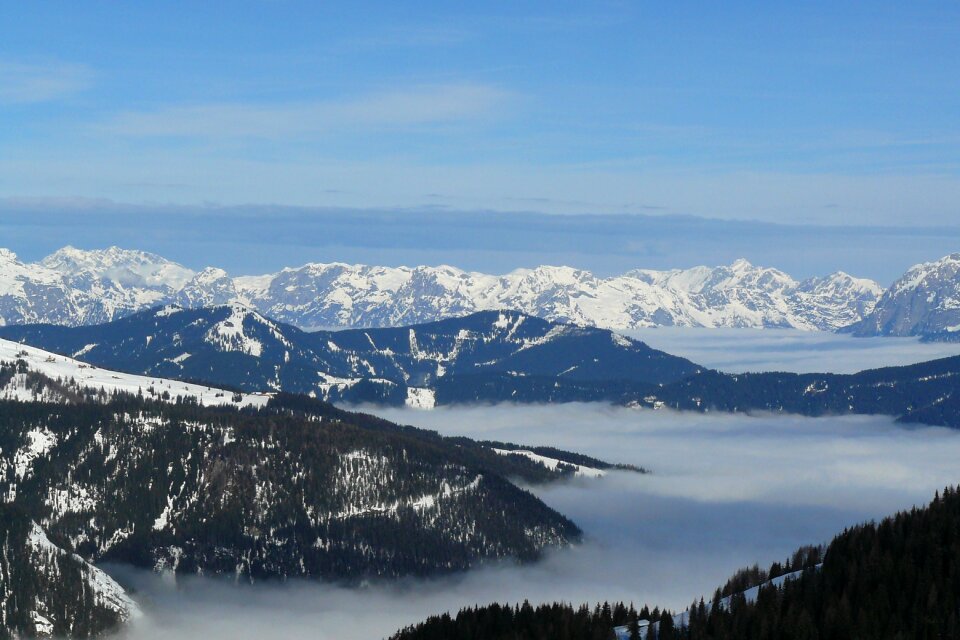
<point x="725" y="491"/>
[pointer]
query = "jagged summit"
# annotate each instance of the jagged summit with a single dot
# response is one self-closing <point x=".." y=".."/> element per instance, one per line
<point x="125" y="266"/>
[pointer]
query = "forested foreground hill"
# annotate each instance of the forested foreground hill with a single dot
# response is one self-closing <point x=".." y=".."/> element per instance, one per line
<point x="295" y="488"/>
<point x="195" y="479"/>
<point x="892" y="580"/>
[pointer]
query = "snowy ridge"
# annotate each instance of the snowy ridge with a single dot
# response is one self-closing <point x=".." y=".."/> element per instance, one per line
<point x="553" y="463"/>
<point x="924" y="302"/>
<point x="94" y="378"/>
<point x="740" y="295"/>
<point x="420" y="398"/>
<point x="75" y="287"/>
<point x="235" y="347"/>
<point x="229" y="334"/>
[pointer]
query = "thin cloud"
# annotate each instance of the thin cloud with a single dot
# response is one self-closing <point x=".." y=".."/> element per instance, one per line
<point x="426" y="105"/>
<point x="29" y="83"/>
<point x="740" y="350"/>
<point x="409" y="37"/>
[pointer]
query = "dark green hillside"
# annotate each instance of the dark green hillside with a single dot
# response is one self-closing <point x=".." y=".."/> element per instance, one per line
<point x="299" y="488"/>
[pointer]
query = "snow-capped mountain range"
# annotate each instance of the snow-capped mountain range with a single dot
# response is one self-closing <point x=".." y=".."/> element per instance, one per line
<point x="76" y="287"/>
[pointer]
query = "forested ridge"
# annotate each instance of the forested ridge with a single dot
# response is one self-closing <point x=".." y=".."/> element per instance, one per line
<point x="297" y="488"/>
<point x="897" y="579"/>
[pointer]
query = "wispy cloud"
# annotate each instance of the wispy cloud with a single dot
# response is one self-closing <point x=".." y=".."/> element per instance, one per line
<point x="428" y="36"/>
<point x="420" y="106"/>
<point x="27" y="83"/>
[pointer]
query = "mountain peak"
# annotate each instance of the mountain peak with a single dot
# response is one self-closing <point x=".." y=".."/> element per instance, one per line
<point x="922" y="302"/>
<point x="126" y="267"/>
<point x="210" y="274"/>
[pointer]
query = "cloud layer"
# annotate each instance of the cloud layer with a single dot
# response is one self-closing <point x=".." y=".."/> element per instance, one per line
<point x="727" y="491"/>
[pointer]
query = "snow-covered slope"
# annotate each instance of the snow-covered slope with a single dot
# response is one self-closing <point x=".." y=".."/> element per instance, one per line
<point x="87" y="376"/>
<point x="75" y="287"/>
<point x="553" y="463"/>
<point x="924" y="302"/>
<point x="46" y="591"/>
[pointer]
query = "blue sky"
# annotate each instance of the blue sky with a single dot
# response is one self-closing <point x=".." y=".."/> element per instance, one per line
<point x="794" y="113"/>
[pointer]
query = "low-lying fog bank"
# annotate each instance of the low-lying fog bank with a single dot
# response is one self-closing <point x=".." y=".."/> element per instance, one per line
<point x="726" y="491"/>
<point x="739" y="350"/>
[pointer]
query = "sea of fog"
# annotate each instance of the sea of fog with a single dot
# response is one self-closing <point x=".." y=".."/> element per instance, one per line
<point x="726" y="491"/>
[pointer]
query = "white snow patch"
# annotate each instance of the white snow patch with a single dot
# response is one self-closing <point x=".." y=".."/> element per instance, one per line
<point x="168" y="310"/>
<point x="87" y="349"/>
<point x="553" y="463"/>
<point x="106" y="591"/>
<point x="39" y="442"/>
<point x="421" y="398"/>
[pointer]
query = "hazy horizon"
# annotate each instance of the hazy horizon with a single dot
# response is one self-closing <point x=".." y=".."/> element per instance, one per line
<point x="256" y="240"/>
